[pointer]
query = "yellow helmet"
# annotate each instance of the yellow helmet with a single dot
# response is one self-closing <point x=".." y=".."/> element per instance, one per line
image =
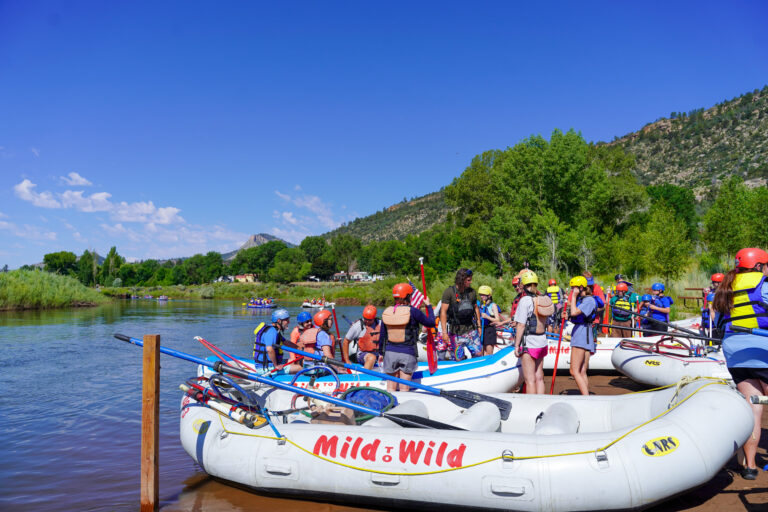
<point x="528" y="277"/>
<point x="485" y="290"/>
<point x="578" y="281"/>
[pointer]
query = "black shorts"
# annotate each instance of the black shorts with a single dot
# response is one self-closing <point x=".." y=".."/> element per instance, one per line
<point x="742" y="374"/>
<point x="489" y="336"/>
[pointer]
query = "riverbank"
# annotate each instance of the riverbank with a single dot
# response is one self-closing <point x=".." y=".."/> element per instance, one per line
<point x="35" y="289"/>
<point x="378" y="293"/>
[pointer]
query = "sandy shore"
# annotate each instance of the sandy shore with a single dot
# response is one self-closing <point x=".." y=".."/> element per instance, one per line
<point x="727" y="491"/>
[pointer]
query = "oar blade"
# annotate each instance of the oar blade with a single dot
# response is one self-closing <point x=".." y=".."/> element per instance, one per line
<point x="413" y="421"/>
<point x="466" y="398"/>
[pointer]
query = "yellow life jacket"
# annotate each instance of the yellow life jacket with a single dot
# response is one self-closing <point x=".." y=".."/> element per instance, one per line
<point x="554" y="293"/>
<point x="748" y="308"/>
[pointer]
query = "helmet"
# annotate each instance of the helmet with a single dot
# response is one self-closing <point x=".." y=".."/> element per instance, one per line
<point x="402" y="290"/>
<point x="657" y="286"/>
<point x="622" y="287"/>
<point x="646" y="298"/>
<point x="590" y="280"/>
<point x="280" y="314"/>
<point x="515" y="280"/>
<point x="619" y="277"/>
<point x="751" y="256"/>
<point x="578" y="281"/>
<point x="710" y="296"/>
<point x="529" y="277"/>
<point x="717" y="278"/>
<point x="320" y="317"/>
<point x="552" y="282"/>
<point x="303" y="317"/>
<point x="485" y="290"/>
<point x="369" y="312"/>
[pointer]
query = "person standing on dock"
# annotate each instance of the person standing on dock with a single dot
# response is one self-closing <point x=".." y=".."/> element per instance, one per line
<point x="582" y="310"/>
<point x="556" y="296"/>
<point x="489" y="316"/>
<point x="742" y="302"/>
<point x="530" y="327"/>
<point x="462" y="316"/>
<point x="401" y="325"/>
<point x="365" y="333"/>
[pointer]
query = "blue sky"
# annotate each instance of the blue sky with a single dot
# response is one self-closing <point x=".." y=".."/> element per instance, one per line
<point x="174" y="128"/>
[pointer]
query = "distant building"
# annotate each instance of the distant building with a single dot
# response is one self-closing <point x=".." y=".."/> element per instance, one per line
<point x="245" y="278"/>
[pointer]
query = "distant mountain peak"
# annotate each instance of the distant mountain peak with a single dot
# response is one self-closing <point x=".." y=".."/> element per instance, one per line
<point x="255" y="241"/>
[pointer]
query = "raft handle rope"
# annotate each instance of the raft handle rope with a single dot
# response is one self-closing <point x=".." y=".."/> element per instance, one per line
<point x="318" y="367"/>
<point x="507" y="455"/>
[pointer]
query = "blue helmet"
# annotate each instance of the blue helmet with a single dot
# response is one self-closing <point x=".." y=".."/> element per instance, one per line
<point x="280" y="314"/>
<point x="303" y="317"/>
<point x="646" y="298"/>
<point x="657" y="286"/>
<point x="710" y="297"/>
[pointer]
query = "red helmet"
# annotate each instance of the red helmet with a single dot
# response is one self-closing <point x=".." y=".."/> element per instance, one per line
<point x="622" y="287"/>
<point x="552" y="282"/>
<point x="515" y="280"/>
<point x="717" y="278"/>
<point x="369" y="312"/>
<point x="751" y="256"/>
<point x="320" y="317"/>
<point x="402" y="290"/>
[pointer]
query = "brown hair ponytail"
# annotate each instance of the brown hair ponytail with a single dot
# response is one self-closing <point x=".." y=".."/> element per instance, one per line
<point x="723" y="302"/>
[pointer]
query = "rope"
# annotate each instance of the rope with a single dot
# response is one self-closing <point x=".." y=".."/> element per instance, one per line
<point x="672" y="405"/>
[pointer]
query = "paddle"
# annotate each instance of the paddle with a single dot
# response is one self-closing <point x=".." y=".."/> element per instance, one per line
<point x="431" y="349"/>
<point x="750" y="330"/>
<point x="347" y="319"/>
<point x="560" y="342"/>
<point x="336" y="324"/>
<point x="681" y="329"/>
<point x="460" y="397"/>
<point x="406" y="420"/>
<point x="662" y="333"/>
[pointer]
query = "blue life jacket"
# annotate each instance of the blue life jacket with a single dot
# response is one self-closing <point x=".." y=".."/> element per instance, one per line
<point x="581" y="318"/>
<point x="260" y="356"/>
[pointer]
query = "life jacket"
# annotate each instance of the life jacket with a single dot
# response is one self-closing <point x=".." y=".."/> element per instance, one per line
<point x="461" y="310"/>
<point x="554" y="294"/>
<point x="749" y="310"/>
<point x="369" y="341"/>
<point x="296" y="337"/>
<point x="400" y="328"/>
<point x="581" y="318"/>
<point x="513" y="308"/>
<point x="260" y="356"/>
<point x="308" y="340"/>
<point x="656" y="301"/>
<point x="486" y="309"/>
<point x="543" y="308"/>
<point x="622" y="304"/>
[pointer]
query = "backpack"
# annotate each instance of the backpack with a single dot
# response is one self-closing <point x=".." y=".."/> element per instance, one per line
<point x="462" y="310"/>
<point x="543" y="308"/>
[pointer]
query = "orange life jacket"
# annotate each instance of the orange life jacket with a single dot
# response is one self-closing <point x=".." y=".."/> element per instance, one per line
<point x="369" y="341"/>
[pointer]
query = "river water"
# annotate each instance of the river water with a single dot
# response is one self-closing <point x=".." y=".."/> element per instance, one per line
<point x="71" y="415"/>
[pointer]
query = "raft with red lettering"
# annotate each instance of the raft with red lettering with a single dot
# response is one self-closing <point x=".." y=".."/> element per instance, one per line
<point x="554" y="453"/>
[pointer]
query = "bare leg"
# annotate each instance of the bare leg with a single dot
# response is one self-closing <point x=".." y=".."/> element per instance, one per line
<point x="539" y="376"/>
<point x="404" y="376"/>
<point x="529" y="373"/>
<point x="370" y="360"/>
<point x="391" y="385"/>
<point x="748" y="388"/>
<point x="579" y="362"/>
<point x="488" y="350"/>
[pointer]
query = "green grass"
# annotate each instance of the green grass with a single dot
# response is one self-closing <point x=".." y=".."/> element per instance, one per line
<point x="34" y="289"/>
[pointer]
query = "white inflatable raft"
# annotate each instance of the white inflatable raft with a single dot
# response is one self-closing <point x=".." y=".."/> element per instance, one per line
<point x="497" y="373"/>
<point x="667" y="360"/>
<point x="553" y="453"/>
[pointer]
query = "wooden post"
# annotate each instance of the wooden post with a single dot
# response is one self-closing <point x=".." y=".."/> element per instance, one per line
<point x="150" y="423"/>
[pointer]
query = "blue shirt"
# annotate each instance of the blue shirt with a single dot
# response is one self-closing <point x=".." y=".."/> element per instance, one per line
<point x="744" y="350"/>
<point x="661" y="302"/>
<point x="582" y="335"/>
<point x="269" y="338"/>
<point x="323" y="340"/>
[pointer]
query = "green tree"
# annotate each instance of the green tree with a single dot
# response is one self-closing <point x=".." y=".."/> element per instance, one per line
<point x="725" y="231"/>
<point x="62" y="262"/>
<point x="110" y="267"/>
<point x="85" y="268"/>
<point x="345" y="250"/>
<point x="314" y="247"/>
<point x="665" y="245"/>
<point x="682" y="202"/>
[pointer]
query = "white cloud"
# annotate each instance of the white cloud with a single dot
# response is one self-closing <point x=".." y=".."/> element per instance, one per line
<point x="294" y="236"/>
<point x="289" y="218"/>
<point x="73" y="179"/>
<point x="27" y="231"/>
<point x="25" y="190"/>
<point x="3" y="216"/>
<point x="322" y="212"/>
<point x="35" y="151"/>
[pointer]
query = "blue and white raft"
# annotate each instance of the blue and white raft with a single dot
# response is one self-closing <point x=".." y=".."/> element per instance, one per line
<point x="553" y="453"/>
<point x="497" y="373"/>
